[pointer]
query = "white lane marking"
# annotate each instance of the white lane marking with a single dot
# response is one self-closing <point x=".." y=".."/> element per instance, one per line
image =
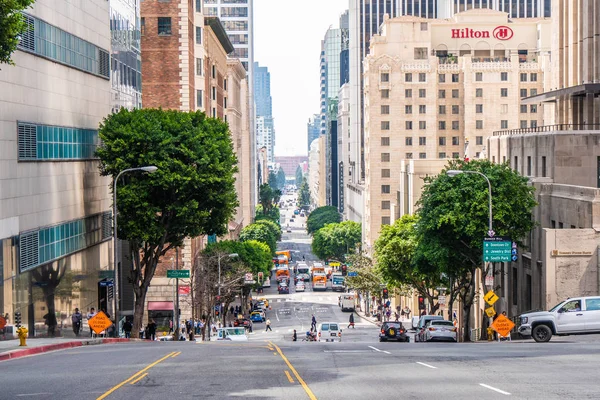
<point x="426" y="365"/>
<point x="33" y="394"/>
<point x="381" y="351"/>
<point x="277" y="315"/>
<point x="345" y="351"/>
<point x="494" y="389"/>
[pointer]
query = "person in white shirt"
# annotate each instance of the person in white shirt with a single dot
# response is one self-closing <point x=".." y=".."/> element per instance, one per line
<point x="89" y="316"/>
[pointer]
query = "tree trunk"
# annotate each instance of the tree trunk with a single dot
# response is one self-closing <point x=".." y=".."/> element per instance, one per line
<point x="51" y="315"/>
<point x="466" y="322"/>
<point x="138" y="313"/>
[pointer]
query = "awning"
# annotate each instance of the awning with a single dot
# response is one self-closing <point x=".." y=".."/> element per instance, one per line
<point x="160" y="306"/>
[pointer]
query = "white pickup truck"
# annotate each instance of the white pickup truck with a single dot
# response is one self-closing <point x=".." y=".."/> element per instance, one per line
<point x="574" y="316"/>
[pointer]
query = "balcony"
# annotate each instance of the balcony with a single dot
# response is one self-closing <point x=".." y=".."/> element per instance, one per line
<point x="549" y="128"/>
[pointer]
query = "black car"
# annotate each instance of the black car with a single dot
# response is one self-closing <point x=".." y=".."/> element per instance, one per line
<point x="284" y="289"/>
<point x="393" y="331"/>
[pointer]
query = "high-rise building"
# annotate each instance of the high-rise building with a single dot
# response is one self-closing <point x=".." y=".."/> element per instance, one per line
<point x="313" y="129"/>
<point x="265" y="137"/>
<point x="345" y="48"/>
<point x="264" y="110"/>
<point x="55" y="208"/>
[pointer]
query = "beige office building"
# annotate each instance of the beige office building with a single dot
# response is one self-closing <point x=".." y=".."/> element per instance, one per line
<point x="317" y="172"/>
<point x="437" y="89"/>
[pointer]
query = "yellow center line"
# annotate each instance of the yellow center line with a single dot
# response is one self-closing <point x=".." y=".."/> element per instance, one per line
<point x="139" y="378"/>
<point x="176" y="354"/>
<point x="109" y="391"/>
<point x="289" y="376"/>
<point x="309" y="392"/>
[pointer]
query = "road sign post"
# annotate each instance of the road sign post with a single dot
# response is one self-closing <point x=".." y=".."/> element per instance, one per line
<point x="352" y="273"/>
<point x="497" y="249"/>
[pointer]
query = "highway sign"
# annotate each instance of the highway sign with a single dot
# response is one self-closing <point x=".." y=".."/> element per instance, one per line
<point x="490" y="312"/>
<point x="503" y="325"/>
<point x="99" y="322"/>
<point x="490" y="298"/>
<point x="497" y="249"/>
<point x="352" y="273"/>
<point x="178" y="273"/>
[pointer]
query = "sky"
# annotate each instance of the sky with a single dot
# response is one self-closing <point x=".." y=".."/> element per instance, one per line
<point x="287" y="40"/>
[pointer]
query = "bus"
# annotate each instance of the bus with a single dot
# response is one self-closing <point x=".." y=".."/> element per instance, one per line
<point x="318" y="268"/>
<point x="282" y="273"/>
<point x="319" y="281"/>
<point x="338" y="282"/>
<point x="287" y="253"/>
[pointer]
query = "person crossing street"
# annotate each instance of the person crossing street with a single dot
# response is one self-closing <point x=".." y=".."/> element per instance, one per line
<point x="268" y="323"/>
<point x="351" y="322"/>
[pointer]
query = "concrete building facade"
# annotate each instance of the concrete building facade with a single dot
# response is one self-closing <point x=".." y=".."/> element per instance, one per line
<point x="312" y="129"/>
<point x="317" y="171"/>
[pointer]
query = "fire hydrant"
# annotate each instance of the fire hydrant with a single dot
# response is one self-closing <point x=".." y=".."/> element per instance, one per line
<point x="22" y="332"/>
<point x="490" y="334"/>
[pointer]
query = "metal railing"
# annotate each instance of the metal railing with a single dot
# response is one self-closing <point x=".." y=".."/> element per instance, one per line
<point x="549" y="128"/>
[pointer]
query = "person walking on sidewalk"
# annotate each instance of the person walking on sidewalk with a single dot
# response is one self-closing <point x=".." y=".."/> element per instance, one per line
<point x="76" y="319"/>
<point x="151" y="330"/>
<point x="351" y="324"/>
<point x="90" y="315"/>
<point x="127" y="327"/>
<point x="268" y="322"/>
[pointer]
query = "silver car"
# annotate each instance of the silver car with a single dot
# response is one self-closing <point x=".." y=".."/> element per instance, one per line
<point x="440" y="330"/>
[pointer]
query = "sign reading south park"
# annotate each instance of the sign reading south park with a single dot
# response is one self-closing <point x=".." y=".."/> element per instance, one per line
<point x="497" y="249"/>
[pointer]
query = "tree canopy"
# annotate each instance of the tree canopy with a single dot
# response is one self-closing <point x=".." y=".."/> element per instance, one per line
<point x="261" y="233"/>
<point x="334" y="241"/>
<point x="256" y="256"/>
<point x="12" y="25"/>
<point x="280" y="179"/>
<point x="273" y="227"/>
<point x="191" y="194"/>
<point x="367" y="279"/>
<point x="321" y="216"/>
<point x="273" y="180"/>
<point x="299" y="175"/>
<point x="304" y="193"/>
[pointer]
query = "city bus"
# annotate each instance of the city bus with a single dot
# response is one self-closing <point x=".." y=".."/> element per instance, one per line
<point x="282" y="273"/>
<point x="319" y="281"/>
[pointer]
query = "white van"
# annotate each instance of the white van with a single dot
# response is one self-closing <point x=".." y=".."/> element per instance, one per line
<point x="347" y="301"/>
<point x="267" y="283"/>
<point x="233" y="334"/>
<point x="329" y="332"/>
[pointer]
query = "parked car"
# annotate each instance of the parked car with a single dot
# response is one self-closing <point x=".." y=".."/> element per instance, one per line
<point x="260" y="305"/>
<point x="575" y="316"/>
<point x="329" y="332"/>
<point x="267" y="283"/>
<point x="440" y="330"/>
<point x="288" y="230"/>
<point x="393" y="331"/>
<point x="420" y="335"/>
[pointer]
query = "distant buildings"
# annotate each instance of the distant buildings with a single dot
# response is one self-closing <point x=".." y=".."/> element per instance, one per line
<point x="313" y="129"/>
<point x="265" y="129"/>
<point x="289" y="164"/>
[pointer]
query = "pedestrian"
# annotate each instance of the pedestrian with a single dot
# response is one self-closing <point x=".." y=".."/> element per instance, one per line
<point x="127" y="327"/>
<point x="249" y="326"/>
<point x="295" y="336"/>
<point x="7" y="318"/>
<point x="396" y="316"/>
<point x="313" y="323"/>
<point x="231" y="309"/>
<point x="76" y="319"/>
<point x="268" y="322"/>
<point x="152" y="330"/>
<point x="406" y="312"/>
<point x="170" y="326"/>
<point x="90" y="315"/>
<point x="351" y="324"/>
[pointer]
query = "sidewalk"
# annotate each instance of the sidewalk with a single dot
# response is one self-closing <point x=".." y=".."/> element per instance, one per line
<point x="367" y="318"/>
<point x="10" y="349"/>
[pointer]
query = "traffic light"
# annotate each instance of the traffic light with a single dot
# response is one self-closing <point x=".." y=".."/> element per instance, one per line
<point x="421" y="303"/>
<point x="17" y="319"/>
<point x="344" y="270"/>
<point x="385" y="293"/>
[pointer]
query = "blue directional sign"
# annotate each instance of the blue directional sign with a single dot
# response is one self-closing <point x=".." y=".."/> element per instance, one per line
<point x="352" y="273"/>
<point x="497" y="249"/>
<point x="106" y="283"/>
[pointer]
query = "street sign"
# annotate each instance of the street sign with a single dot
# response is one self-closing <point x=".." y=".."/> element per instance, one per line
<point x="442" y="300"/>
<point x="352" y="273"/>
<point x="184" y="290"/>
<point x="497" y="249"/>
<point x="491" y="233"/>
<point x="489" y="280"/>
<point x="490" y="312"/>
<point x="99" y="322"/>
<point x="106" y="283"/>
<point x="248" y="276"/>
<point x="503" y="325"/>
<point x="106" y="274"/>
<point x="178" y="273"/>
<point x="490" y="298"/>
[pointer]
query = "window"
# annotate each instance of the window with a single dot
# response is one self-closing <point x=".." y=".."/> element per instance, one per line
<point x="422" y="93"/>
<point x="455" y="78"/>
<point x="408" y="141"/>
<point x="142" y="26"/>
<point x="455" y="109"/>
<point x="385" y="173"/>
<point x="409" y="156"/>
<point x="214" y="71"/>
<point x="385" y="189"/>
<point x="385" y="110"/>
<point x="560" y="225"/>
<point x="199" y="66"/>
<point x="224" y="102"/>
<point x="199" y="98"/>
<point x="442" y="125"/>
<point x="214" y="112"/>
<point x="442" y="141"/>
<point x="198" y="6"/>
<point x="442" y="110"/>
<point x="479" y="76"/>
<point x="385" y="220"/>
<point x="516" y="163"/>
<point x="455" y="93"/>
<point x="164" y="26"/>
<point x="385" y="125"/>
<point x="504" y="124"/>
<point x="533" y="77"/>
<point x="422" y="141"/>
<point x="224" y="84"/>
<point x="592" y="304"/>
<point x="385" y="205"/>
<point x="543" y="166"/>
<point x="441" y="78"/>
<point x="533" y="108"/>
<point x="424" y="26"/>
<point x="478" y="92"/>
<point x="504" y="76"/>
<point x="420" y="53"/>
<point x="385" y="77"/>
<point x="46" y="142"/>
<point x="455" y="141"/>
<point x="408" y="93"/>
<point x="455" y="155"/>
<point x="523" y="109"/>
<point x="533" y="123"/>
<point x="553" y="224"/>
<point x="523" y="124"/>
<point x="422" y="77"/>
<point x="479" y="124"/>
<point x="214" y="92"/>
<point x="422" y="109"/>
<point x="408" y="125"/>
<point x="385" y="140"/>
<point x="422" y="125"/>
<point x="385" y="94"/>
<point x="385" y="157"/>
<point x="441" y="94"/>
<point x="523" y="92"/>
<point x="234" y="11"/>
<point x="503" y="92"/>
<point x="503" y="108"/>
<point x="408" y="77"/>
<point x="455" y="125"/>
<point x="523" y="77"/>
<point x="408" y="109"/>
<point x="479" y="108"/>
<point x="528" y="165"/>
<point x="442" y="155"/>
<point x="198" y="35"/>
<point x="479" y="140"/>
<point x="422" y="155"/>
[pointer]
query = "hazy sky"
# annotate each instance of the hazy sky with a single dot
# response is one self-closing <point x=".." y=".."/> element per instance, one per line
<point x="287" y="40"/>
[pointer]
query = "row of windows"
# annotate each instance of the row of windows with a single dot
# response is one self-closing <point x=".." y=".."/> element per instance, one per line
<point x="385" y="141"/>
<point x="234" y="11"/>
<point x="408" y="125"/>
<point x="44" y="142"/>
<point x="51" y="243"/>
<point x="455" y="78"/>
<point x="52" y="42"/>
<point x="408" y="93"/>
<point x="385" y="157"/>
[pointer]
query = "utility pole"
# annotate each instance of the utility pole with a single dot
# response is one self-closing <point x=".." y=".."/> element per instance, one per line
<point x="177" y="295"/>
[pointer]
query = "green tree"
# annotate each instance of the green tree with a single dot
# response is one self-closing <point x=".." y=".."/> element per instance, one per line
<point x="260" y="233"/>
<point x="453" y="220"/>
<point x="272" y="215"/>
<point x="273" y="227"/>
<point x="280" y="179"/>
<point x="256" y="256"/>
<point x="265" y="197"/>
<point x="191" y="194"/>
<point x="304" y="193"/>
<point x="299" y="175"/>
<point x="367" y="279"/>
<point x="12" y="25"/>
<point x="321" y="216"/>
<point x="273" y="180"/>
<point x="335" y="240"/>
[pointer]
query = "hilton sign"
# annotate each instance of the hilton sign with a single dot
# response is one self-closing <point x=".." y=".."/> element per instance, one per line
<point x="500" y="33"/>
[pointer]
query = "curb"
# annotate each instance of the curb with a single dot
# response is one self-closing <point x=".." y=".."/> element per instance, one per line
<point x="368" y="320"/>
<point x="59" y="346"/>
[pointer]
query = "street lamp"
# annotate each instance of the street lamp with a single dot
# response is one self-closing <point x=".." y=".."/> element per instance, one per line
<point x="150" y="169"/>
<point x="454" y="172"/>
